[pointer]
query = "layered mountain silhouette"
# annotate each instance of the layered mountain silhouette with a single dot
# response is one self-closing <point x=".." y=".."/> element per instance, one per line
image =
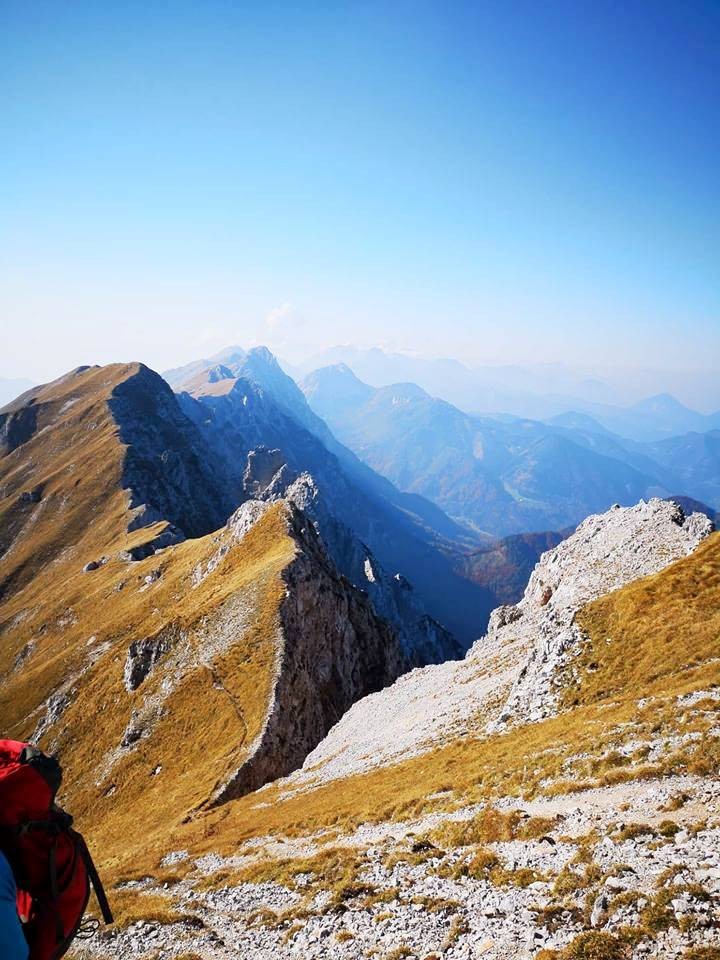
<point x="505" y="475"/>
<point x="244" y="400"/>
<point x="540" y="391"/>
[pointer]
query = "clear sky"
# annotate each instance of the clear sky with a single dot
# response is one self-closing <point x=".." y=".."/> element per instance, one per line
<point x="501" y="181"/>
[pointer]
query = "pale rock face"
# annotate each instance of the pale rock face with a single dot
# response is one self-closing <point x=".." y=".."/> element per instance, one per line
<point x="508" y="675"/>
<point x="606" y="552"/>
<point x="331" y="650"/>
<point x="423" y="639"/>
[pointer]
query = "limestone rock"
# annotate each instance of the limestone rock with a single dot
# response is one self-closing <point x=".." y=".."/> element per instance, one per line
<point x="142" y="656"/>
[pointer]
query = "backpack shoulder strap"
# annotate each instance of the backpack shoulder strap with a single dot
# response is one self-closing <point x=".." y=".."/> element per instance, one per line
<point x="94" y="877"/>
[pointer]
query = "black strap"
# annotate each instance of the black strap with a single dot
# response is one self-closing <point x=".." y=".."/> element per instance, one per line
<point x="55" y="893"/>
<point x="94" y="879"/>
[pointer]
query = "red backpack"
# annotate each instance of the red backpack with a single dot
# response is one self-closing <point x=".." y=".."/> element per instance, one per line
<point x="52" y="865"/>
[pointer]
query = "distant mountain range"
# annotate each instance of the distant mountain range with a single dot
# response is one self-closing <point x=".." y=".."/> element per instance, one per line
<point x="540" y="392"/>
<point x="422" y="485"/>
<point x="506" y="475"/>
<point x="204" y="594"/>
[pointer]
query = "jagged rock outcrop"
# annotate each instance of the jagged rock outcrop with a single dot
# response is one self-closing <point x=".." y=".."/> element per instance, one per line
<point x="508" y="676"/>
<point x="262" y="466"/>
<point x="606" y="552"/>
<point x="332" y="649"/>
<point x="422" y="639"/>
<point x="142" y="656"/>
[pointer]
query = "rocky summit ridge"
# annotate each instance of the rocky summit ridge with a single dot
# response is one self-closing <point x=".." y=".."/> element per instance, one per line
<point x="125" y="592"/>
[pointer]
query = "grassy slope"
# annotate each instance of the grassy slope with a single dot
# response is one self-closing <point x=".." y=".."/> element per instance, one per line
<point x="678" y="608"/>
<point x="657" y="631"/>
<point x="81" y="625"/>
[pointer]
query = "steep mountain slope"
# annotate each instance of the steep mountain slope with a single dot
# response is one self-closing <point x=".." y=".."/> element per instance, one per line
<point x="214" y="663"/>
<point x="578" y="821"/>
<point x="502" y="475"/>
<point x="108" y="443"/>
<point x="237" y="415"/>
<point x="509" y="673"/>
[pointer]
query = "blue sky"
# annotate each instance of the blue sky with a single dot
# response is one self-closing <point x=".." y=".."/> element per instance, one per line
<point x="496" y="181"/>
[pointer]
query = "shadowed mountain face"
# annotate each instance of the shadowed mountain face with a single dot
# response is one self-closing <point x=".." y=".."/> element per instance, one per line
<point x="499" y="475"/>
<point x="101" y="451"/>
<point x="253" y="403"/>
<point x="168" y="467"/>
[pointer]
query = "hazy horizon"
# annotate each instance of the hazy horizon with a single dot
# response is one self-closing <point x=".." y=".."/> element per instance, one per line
<point x="632" y="383"/>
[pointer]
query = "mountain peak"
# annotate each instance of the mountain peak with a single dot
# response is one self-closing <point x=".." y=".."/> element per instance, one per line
<point x="333" y="385"/>
<point x="661" y="402"/>
<point x="262" y="354"/>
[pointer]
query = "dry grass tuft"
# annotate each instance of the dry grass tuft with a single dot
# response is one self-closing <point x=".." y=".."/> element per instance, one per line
<point x="490" y="826"/>
<point x="591" y="945"/>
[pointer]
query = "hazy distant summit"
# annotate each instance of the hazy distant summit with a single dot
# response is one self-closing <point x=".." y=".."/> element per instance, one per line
<point x="539" y="391"/>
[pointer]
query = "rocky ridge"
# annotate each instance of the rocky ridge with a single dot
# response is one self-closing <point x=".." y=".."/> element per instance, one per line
<point x="332" y="649"/>
<point x="626" y="869"/>
<point x="269" y="478"/>
<point x="508" y="675"/>
<point x="114" y="551"/>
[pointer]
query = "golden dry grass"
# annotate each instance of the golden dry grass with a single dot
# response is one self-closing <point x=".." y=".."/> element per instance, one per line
<point x="209" y="721"/>
<point x="527" y="760"/>
<point x="591" y="945"/>
<point x="659" y="632"/>
<point x="81" y="626"/>
<point x="490" y="826"/>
